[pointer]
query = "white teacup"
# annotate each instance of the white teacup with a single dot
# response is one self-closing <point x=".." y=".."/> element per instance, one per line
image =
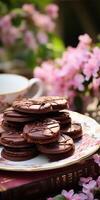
<point x="14" y="86"/>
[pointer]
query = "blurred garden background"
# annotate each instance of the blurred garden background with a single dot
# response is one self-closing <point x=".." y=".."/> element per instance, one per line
<point x="56" y="41"/>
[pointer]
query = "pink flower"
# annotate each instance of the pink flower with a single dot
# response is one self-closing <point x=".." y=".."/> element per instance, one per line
<point x="98" y="182"/>
<point x="91" y="68"/>
<point x="84" y="180"/>
<point x="9" y="36"/>
<point x="5" y="22"/>
<point x="90" y="195"/>
<point x="42" y="37"/>
<point x="80" y="196"/>
<point x="30" y="40"/>
<point x="68" y="195"/>
<point x="29" y="8"/>
<point x="96" y="52"/>
<point x="52" y="10"/>
<point x="43" y="21"/>
<point x="75" y="72"/>
<point x="78" y="81"/>
<point x="97" y="159"/>
<point x="89" y="186"/>
<point x="46" y="68"/>
<point x="84" y="41"/>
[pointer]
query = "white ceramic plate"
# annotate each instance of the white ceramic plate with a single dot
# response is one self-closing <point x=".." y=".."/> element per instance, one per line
<point x="85" y="147"/>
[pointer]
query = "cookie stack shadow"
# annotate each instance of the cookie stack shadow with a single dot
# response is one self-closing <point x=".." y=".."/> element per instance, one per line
<point x="42" y="125"/>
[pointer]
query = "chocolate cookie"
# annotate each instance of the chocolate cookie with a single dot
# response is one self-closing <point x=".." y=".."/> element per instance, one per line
<point x="41" y="105"/>
<point x="16" y="148"/>
<point x="12" y="116"/>
<point x="18" y="154"/>
<point x="14" y="140"/>
<point x="61" y="116"/>
<point x="74" y="130"/>
<point x="12" y="126"/>
<point x="57" y="102"/>
<point x="62" y="146"/>
<point x="42" y="132"/>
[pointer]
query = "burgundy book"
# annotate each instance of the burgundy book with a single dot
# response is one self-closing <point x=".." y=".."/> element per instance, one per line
<point x="39" y="185"/>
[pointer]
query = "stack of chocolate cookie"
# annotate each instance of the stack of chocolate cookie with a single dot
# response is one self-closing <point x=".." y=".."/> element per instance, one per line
<point x="38" y="125"/>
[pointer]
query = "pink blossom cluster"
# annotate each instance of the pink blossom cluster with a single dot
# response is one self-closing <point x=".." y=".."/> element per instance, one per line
<point x="76" y="72"/>
<point x="89" y="187"/>
<point x="8" y="33"/>
<point x="41" y="25"/>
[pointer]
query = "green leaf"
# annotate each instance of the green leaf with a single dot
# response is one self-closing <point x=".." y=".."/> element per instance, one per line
<point x="57" y="46"/>
<point x="19" y="16"/>
<point x="97" y="44"/>
<point x="41" y="3"/>
<point x="30" y="59"/>
<point x="3" y="8"/>
<point x="59" y="197"/>
<point x="44" y="52"/>
<point x="18" y="11"/>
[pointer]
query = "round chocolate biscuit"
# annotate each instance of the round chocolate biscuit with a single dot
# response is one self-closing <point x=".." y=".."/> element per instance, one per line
<point x="12" y="126"/>
<point x="74" y="130"/>
<point x="62" y="146"/>
<point x="18" y="155"/>
<point x="43" y="104"/>
<point x="42" y="132"/>
<point x="57" y="102"/>
<point x="62" y="117"/>
<point x="13" y="139"/>
<point x="12" y="116"/>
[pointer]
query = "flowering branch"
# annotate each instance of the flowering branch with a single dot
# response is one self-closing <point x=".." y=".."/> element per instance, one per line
<point x="76" y="73"/>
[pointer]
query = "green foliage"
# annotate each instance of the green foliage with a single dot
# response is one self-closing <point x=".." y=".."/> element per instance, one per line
<point x="98" y="44"/>
<point x="57" y="46"/>
<point x="42" y="3"/>
<point x="19" y="16"/>
<point x="31" y="59"/>
<point x="17" y="3"/>
<point x="78" y="103"/>
<point x="3" y="8"/>
<point x="59" y="197"/>
<point x="44" y="52"/>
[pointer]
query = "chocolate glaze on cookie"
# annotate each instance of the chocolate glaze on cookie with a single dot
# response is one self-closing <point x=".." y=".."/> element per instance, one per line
<point x="41" y="105"/>
<point x="12" y="126"/>
<point x="14" y="140"/>
<point x="63" y="145"/>
<point x="62" y="117"/>
<point x="41" y="132"/>
<point x="12" y="116"/>
<point x="74" y="130"/>
<point x="15" y="147"/>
